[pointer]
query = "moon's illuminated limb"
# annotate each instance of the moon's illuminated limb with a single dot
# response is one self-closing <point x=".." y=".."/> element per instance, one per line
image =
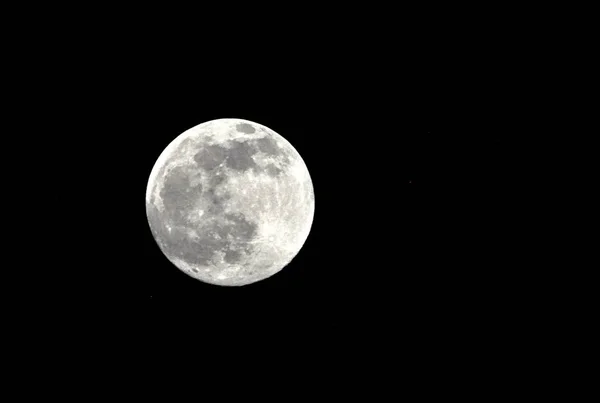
<point x="230" y="202"/>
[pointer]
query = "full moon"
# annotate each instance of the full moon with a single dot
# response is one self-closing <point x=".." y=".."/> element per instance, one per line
<point x="230" y="202"/>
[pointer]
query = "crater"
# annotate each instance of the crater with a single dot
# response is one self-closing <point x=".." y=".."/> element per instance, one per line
<point x="245" y="128"/>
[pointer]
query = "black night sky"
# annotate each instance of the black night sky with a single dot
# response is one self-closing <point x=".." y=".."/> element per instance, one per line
<point x="439" y="143"/>
<point x="413" y="153"/>
<point x="409" y="180"/>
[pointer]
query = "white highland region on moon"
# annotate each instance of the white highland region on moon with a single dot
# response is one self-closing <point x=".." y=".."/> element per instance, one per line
<point x="230" y="202"/>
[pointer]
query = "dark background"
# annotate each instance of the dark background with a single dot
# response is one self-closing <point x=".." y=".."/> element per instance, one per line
<point x="412" y="179"/>
<point x="431" y="138"/>
<point x="410" y="156"/>
<point x="414" y="140"/>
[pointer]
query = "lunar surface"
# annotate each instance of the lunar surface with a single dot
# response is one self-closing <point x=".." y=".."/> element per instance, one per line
<point x="230" y="202"/>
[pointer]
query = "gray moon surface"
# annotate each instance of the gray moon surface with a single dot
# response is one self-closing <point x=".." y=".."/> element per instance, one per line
<point x="230" y="202"/>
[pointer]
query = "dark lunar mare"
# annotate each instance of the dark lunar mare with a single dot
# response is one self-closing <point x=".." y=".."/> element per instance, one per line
<point x="240" y="156"/>
<point x="241" y="229"/>
<point x="229" y="233"/>
<point x="272" y="170"/>
<point x="177" y="243"/>
<point x="232" y="256"/>
<point x="245" y="128"/>
<point x="178" y="195"/>
<point x="201" y="251"/>
<point x="268" y="146"/>
<point x="210" y="156"/>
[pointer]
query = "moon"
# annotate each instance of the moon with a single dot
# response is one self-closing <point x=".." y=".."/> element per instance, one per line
<point x="230" y="202"/>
